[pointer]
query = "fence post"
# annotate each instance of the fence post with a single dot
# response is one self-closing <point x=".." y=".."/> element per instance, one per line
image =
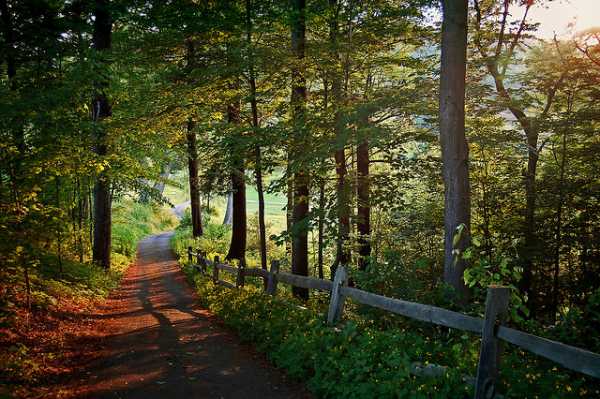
<point x="215" y="275"/>
<point x="199" y="260"/>
<point x="239" y="282"/>
<point x="203" y="264"/>
<point x="496" y="306"/>
<point x="272" y="279"/>
<point x="190" y="260"/>
<point x="336" y="303"/>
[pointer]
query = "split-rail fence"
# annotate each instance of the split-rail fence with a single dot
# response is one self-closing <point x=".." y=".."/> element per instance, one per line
<point x="490" y="327"/>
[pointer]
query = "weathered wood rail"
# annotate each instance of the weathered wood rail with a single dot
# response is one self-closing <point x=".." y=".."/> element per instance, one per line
<point x="489" y="328"/>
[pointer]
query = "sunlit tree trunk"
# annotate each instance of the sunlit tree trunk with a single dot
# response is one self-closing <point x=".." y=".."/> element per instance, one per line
<point x="159" y="186"/>
<point x="455" y="153"/>
<point x="228" y="218"/>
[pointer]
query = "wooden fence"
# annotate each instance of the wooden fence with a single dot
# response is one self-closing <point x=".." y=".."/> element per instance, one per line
<point x="490" y="328"/>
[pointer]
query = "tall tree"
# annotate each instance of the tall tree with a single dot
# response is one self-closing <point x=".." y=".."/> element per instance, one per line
<point x="341" y="170"/>
<point x="363" y="186"/>
<point x="101" y="109"/>
<point x="192" y="154"/>
<point x="455" y="152"/>
<point x="193" y="179"/>
<point x="300" y="135"/>
<point x="237" y="247"/>
<point x="497" y="57"/>
<point x="262" y="230"/>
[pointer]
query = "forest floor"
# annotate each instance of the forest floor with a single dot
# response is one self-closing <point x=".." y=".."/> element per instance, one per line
<point x="157" y="342"/>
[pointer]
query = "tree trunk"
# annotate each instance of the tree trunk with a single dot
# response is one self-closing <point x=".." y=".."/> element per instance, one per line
<point x="289" y="209"/>
<point x="530" y="235"/>
<point x="81" y="211"/>
<point x="559" y="215"/>
<point x="341" y="170"/>
<point x="101" y="109"/>
<point x="59" y="243"/>
<point x="159" y="186"/>
<point x="262" y="230"/>
<point x="455" y="152"/>
<point x="237" y="248"/>
<point x="228" y="218"/>
<point x="301" y="177"/>
<point x="193" y="178"/>
<point x="321" y="226"/>
<point x="363" y="186"/>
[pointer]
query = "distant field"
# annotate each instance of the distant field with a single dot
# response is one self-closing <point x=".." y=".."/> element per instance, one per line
<point x="274" y="203"/>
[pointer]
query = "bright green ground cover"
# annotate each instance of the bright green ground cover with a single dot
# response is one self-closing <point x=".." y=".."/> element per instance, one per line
<point x="370" y="354"/>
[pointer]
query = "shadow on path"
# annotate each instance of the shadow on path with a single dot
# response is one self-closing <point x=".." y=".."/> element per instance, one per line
<point x="160" y="344"/>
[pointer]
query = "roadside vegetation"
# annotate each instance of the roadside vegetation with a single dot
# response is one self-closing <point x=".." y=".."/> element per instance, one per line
<point x="38" y="322"/>
<point x="373" y="353"/>
<point x="431" y="147"/>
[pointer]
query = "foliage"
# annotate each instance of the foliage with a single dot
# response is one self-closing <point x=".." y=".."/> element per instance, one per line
<point x="59" y="286"/>
<point x="134" y="221"/>
<point x="372" y="75"/>
<point x="214" y="241"/>
<point x="362" y="359"/>
<point x="23" y="334"/>
<point x="487" y="269"/>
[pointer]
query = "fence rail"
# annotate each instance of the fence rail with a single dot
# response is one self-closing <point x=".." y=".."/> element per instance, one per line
<point x="490" y="327"/>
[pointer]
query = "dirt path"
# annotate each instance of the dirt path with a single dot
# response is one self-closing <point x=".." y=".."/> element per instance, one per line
<point x="179" y="209"/>
<point x="160" y="344"/>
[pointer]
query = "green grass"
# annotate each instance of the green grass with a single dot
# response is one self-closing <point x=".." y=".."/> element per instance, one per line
<point x="133" y="221"/>
<point x="176" y="194"/>
<point x="274" y="202"/>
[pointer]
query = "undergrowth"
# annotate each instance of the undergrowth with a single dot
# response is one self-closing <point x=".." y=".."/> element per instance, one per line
<point x="61" y="293"/>
<point x="371" y="353"/>
<point x="132" y="221"/>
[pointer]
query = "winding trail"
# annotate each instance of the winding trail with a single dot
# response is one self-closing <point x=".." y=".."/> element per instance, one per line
<point x="160" y="344"/>
<point x="179" y="209"/>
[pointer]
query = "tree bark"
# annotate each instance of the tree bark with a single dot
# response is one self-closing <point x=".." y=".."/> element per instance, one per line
<point x="228" y="218"/>
<point x="363" y="223"/>
<point x="455" y="152"/>
<point x="101" y="109"/>
<point x="321" y="227"/>
<point x="322" y="210"/>
<point x="159" y="186"/>
<point x="289" y="208"/>
<point x="237" y="247"/>
<point x="301" y="177"/>
<point x="262" y="230"/>
<point x="341" y="170"/>
<point x="193" y="179"/>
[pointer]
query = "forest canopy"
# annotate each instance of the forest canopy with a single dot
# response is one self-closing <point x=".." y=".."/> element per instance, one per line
<point x="434" y="148"/>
